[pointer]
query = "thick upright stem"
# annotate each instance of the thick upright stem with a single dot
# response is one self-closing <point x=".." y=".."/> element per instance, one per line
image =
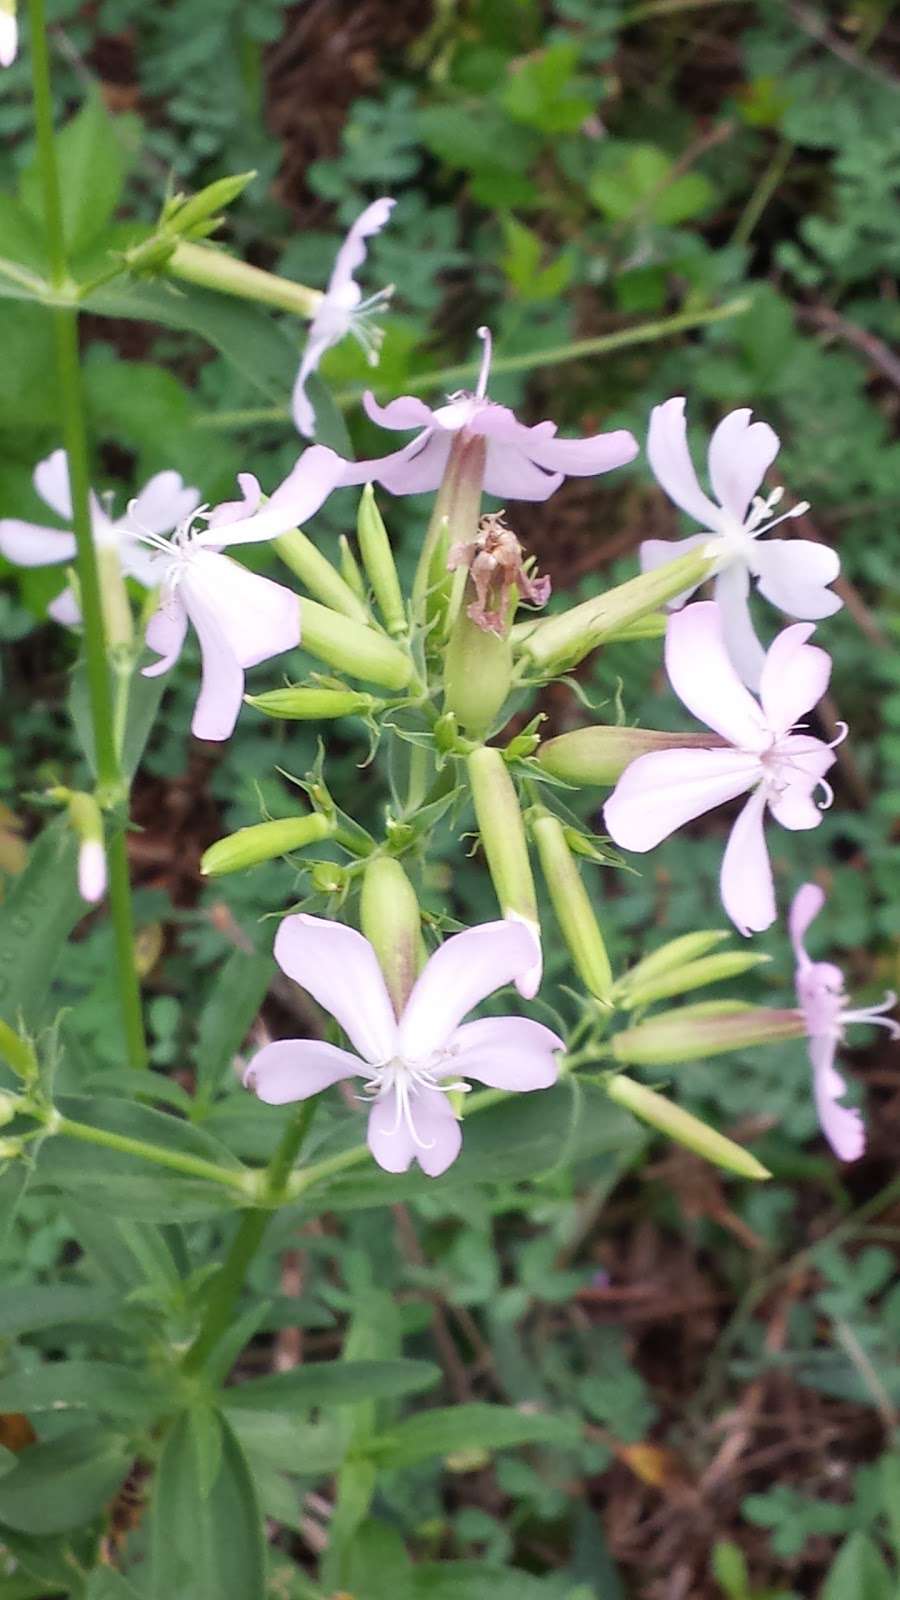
<point x="65" y="324"/>
<point x="246" y="1242"/>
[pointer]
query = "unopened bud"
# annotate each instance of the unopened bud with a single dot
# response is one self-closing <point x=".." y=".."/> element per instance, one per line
<point x="87" y="821"/>
<point x="684" y="1128"/>
<point x="477" y="675"/>
<point x="182" y="216"/>
<point x="352" y="647"/>
<point x="317" y="575"/>
<point x="391" y="921"/>
<point x="211" y="268"/>
<point x="674" y="953"/>
<point x="573" y="908"/>
<point x="505" y="847"/>
<point x="9" y="33"/>
<point x="693" y="975"/>
<point x="350" y="571"/>
<point x="10" y="1148"/>
<point x="329" y="877"/>
<point x="18" y="1053"/>
<point x="313" y="705"/>
<point x="263" y="842"/>
<point x="600" y="755"/>
<point x="378" y="560"/>
<point x="562" y="641"/>
<point x="690" y="1033"/>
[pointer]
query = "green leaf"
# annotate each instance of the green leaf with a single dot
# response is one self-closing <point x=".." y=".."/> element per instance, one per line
<point x="859" y="1571"/>
<point x="104" y="1386"/>
<point x="331" y="1383"/>
<point x="21" y="237"/>
<point x="236" y="997"/>
<point x="63" y="1482"/>
<point x="456" y="1429"/>
<point x="206" y="1538"/>
<point x="636" y="180"/>
<point x="106" y="1584"/>
<point x="36" y="918"/>
<point x="31" y="1307"/>
<point x="144" y="696"/>
<point x="304" y="1449"/>
<point x="93" y="152"/>
<point x="249" y="338"/>
<point x="542" y="92"/>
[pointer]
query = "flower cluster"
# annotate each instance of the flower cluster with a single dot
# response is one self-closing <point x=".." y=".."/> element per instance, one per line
<point x="414" y="1051"/>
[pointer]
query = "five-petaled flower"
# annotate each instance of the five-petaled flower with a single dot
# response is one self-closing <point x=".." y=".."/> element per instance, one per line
<point x="160" y="507"/>
<point x="240" y="618"/>
<point x="760" y="751"/>
<point x="342" y="310"/>
<point x="521" y="463"/>
<point x="794" y="574"/>
<point x="410" y="1065"/>
<point x="820" y="991"/>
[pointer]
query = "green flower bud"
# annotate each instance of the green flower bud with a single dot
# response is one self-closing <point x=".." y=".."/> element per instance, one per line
<point x="317" y="575"/>
<point x="564" y="640"/>
<point x="477" y="675"/>
<point x="572" y="905"/>
<point x="182" y="216"/>
<point x="263" y="842"/>
<point x="211" y="268"/>
<point x="117" y="618"/>
<point x="10" y="1148"/>
<point x="329" y="877"/>
<point x="18" y="1053"/>
<point x="503" y="834"/>
<point x="694" y="975"/>
<point x="684" y="1128"/>
<point x="378" y="560"/>
<point x="690" y="1033"/>
<point x="314" y="705"/>
<point x="350" y="570"/>
<point x="675" y="953"/>
<point x="391" y="921"/>
<point x="600" y="755"/>
<point x="353" y="648"/>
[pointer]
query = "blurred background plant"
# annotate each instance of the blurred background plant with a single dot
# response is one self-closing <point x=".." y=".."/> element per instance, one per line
<point x="565" y="172"/>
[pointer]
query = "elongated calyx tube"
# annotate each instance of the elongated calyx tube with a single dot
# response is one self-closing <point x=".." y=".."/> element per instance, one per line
<point x="352" y="647"/>
<point x="302" y="704"/>
<point x="210" y="268"/>
<point x="562" y="641"/>
<point x="684" y="1128"/>
<point x="378" y="560"/>
<point x="316" y="573"/>
<point x="573" y="908"/>
<point x="690" y="1033"/>
<point x="599" y="755"/>
<point x="454" y="520"/>
<point x="391" y="921"/>
<point x="477" y="675"/>
<point x="263" y="842"/>
<point x="690" y="975"/>
<point x="502" y="832"/>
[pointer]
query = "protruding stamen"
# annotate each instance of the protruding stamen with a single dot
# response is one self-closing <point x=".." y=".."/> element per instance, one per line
<point x="484" y="335"/>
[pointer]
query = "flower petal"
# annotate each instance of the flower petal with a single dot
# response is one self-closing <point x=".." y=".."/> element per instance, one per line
<point x="237" y="510"/>
<point x="166" y="633"/>
<point x="222" y="676"/>
<point x="805" y="907"/>
<point x="29" y="545"/>
<point x="65" y="609"/>
<point x="842" y="1126"/>
<point x="510" y="475"/>
<point x="416" y="469"/>
<point x="352" y="252"/>
<point x="506" y="1053"/>
<point x="51" y="480"/>
<point x="294" y="1069"/>
<point x="703" y="677"/>
<point x="339" y="968"/>
<point x="740" y="454"/>
<point x="302" y="409"/>
<point x="464" y="970"/>
<point x="661" y="791"/>
<point x="438" y="1134"/>
<point x="655" y="553"/>
<point x="794" y="678"/>
<point x="92" y="871"/>
<point x="732" y="589"/>
<point x="303" y="491"/>
<point x="581" y="458"/>
<point x="257" y="617"/>
<point x="670" y="460"/>
<point x="405" y="412"/>
<point x="747" y="888"/>
<point x="164" y="502"/>
<point x="794" y="573"/>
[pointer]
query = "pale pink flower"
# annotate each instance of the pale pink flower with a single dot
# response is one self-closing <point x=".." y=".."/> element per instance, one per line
<point x="762" y="752"/>
<point x="793" y="574"/>
<point x="342" y="310"/>
<point x="820" y="991"/>
<point x="9" y="33"/>
<point x="162" y="504"/>
<point x="411" y="1065"/>
<point x="240" y="618"/>
<point x="521" y="463"/>
<point x="91" y="870"/>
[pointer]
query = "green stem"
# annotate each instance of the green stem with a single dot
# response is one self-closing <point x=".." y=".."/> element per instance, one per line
<point x="246" y="1242"/>
<point x="189" y="1166"/>
<point x="452" y="377"/>
<point x="65" y="327"/>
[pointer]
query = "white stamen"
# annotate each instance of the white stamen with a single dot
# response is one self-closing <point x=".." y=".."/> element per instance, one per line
<point x="405" y="1080"/>
<point x="484" y="335"/>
